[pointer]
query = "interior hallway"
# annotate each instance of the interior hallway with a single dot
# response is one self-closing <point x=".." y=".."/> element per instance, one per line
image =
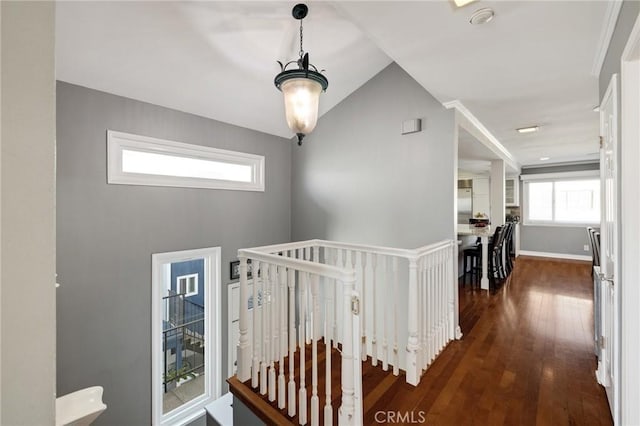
<point x="526" y="356"/>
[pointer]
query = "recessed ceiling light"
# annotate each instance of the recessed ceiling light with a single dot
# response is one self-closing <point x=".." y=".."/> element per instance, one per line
<point x="596" y="108"/>
<point x="482" y="16"/>
<point x="544" y="158"/>
<point x="529" y="129"/>
<point x="461" y="3"/>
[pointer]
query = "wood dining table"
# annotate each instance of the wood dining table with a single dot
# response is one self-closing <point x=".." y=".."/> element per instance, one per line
<point x="484" y="233"/>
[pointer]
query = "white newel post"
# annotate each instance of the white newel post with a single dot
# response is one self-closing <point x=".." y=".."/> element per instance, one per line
<point x="346" y="412"/>
<point x="244" y="348"/>
<point x="413" y="376"/>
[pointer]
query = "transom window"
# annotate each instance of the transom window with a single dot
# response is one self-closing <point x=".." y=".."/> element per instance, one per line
<point x="142" y="160"/>
<point x="562" y="201"/>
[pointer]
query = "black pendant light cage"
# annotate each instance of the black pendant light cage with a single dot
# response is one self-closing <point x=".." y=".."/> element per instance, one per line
<point x="304" y="68"/>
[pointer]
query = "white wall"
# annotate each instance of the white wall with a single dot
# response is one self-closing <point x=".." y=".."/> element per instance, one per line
<point x="28" y="214"/>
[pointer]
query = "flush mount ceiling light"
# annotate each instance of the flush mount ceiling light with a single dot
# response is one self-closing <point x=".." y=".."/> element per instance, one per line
<point x="301" y="87"/>
<point x="544" y="158"/>
<point x="529" y="129"/>
<point x="462" y="3"/>
<point x="482" y="16"/>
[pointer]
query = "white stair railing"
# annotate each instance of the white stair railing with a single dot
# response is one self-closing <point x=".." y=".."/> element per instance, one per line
<point x="395" y="306"/>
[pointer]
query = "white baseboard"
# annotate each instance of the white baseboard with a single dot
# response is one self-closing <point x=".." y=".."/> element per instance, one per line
<point x="555" y="255"/>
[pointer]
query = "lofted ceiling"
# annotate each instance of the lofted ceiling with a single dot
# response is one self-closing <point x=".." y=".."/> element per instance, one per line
<point x="530" y="65"/>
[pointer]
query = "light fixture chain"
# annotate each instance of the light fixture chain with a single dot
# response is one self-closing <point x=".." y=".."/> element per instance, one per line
<point x="301" y="50"/>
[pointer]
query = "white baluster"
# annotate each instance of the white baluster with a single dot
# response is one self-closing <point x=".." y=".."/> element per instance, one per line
<point x="432" y="307"/>
<point x="302" y="393"/>
<point x="363" y="304"/>
<point x="453" y="288"/>
<point x="434" y="303"/>
<point x="335" y="303"/>
<point x="282" y="277"/>
<point x="422" y="312"/>
<point x="412" y="321"/>
<point x="441" y="304"/>
<point x="273" y="326"/>
<point x="328" y="410"/>
<point x="264" y="379"/>
<point x="244" y="348"/>
<point x="374" y="317"/>
<point x="396" y="359"/>
<point x="385" y="298"/>
<point x="291" y="284"/>
<point x="316" y="330"/>
<point x="328" y="285"/>
<point x="315" y="401"/>
<point x="307" y="256"/>
<point x="427" y="310"/>
<point x="347" y="409"/>
<point x="257" y="324"/>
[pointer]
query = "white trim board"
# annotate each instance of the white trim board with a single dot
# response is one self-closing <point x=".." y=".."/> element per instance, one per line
<point x="469" y="122"/>
<point x="608" y="26"/>
<point x="560" y="175"/>
<point x="556" y="255"/>
<point x="630" y="231"/>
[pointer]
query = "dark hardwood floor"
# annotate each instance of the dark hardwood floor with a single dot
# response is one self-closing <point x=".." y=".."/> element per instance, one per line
<point x="526" y="358"/>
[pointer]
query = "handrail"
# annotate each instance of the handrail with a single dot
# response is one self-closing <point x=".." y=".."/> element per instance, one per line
<point x="300" y="265"/>
<point x="381" y="250"/>
<point x="183" y="325"/>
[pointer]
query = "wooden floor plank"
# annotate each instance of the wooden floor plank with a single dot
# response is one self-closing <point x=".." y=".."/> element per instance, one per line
<point x="526" y="358"/>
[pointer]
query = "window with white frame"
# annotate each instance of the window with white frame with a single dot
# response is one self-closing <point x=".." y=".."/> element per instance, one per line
<point x="570" y="199"/>
<point x="142" y="160"/>
<point x="187" y="284"/>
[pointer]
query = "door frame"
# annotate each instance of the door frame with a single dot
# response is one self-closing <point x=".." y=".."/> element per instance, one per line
<point x="610" y="357"/>
<point x="629" y="410"/>
<point x="193" y="409"/>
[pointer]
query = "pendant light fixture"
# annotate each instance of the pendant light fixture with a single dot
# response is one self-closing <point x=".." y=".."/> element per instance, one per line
<point x="301" y="87"/>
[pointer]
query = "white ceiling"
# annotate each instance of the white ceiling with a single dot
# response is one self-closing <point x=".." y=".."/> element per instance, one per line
<point x="530" y="65"/>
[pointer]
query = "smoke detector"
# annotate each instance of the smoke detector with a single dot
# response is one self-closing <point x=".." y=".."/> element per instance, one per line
<point x="481" y="16"/>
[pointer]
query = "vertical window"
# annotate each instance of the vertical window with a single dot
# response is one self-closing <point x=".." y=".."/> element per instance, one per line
<point x="562" y="202"/>
<point x="186" y="335"/>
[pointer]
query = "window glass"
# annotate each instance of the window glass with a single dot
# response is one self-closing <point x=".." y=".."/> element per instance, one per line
<point x="142" y="160"/>
<point x="563" y="201"/>
<point x="541" y="201"/>
<point x="171" y="165"/>
<point x="578" y="201"/>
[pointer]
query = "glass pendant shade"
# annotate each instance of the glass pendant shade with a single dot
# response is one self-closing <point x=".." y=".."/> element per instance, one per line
<point x="301" y="87"/>
<point x="301" y="99"/>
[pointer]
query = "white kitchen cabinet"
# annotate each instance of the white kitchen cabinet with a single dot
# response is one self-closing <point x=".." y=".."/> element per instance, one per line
<point x="511" y="192"/>
<point x="481" y="200"/>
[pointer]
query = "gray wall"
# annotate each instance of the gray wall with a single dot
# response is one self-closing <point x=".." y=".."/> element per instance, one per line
<point x="554" y="239"/>
<point x="107" y="233"/>
<point x="356" y="179"/>
<point x="28" y="309"/>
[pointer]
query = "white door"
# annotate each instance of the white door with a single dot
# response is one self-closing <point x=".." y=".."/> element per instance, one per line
<point x="607" y="373"/>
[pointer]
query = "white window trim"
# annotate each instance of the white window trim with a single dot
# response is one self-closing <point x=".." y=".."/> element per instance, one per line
<point x="186" y="277"/>
<point x="582" y="174"/>
<point x="213" y="332"/>
<point x="119" y="141"/>
<point x="554" y="177"/>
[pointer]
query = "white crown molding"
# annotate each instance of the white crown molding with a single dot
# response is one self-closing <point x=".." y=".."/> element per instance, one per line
<point x="491" y="141"/>
<point x="608" y="26"/>
<point x="556" y="255"/>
